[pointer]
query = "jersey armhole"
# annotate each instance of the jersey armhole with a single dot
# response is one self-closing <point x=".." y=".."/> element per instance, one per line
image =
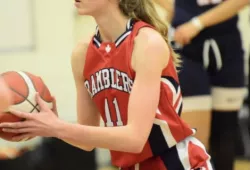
<point x="90" y="45"/>
<point x="137" y="27"/>
<point x="143" y="25"/>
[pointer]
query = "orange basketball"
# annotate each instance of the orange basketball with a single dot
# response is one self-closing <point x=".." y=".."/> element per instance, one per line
<point x="23" y="87"/>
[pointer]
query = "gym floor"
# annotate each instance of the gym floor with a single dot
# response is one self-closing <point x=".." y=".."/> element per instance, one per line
<point x="239" y="165"/>
<point x="242" y="165"/>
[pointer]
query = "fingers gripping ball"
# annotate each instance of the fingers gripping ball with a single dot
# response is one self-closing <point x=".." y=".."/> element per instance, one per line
<point x="23" y="87"/>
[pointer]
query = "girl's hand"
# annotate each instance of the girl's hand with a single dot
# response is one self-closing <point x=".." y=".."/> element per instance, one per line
<point x="185" y="33"/>
<point x="45" y="123"/>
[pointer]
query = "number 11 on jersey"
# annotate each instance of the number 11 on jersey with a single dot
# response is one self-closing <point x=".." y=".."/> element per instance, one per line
<point x="109" y="122"/>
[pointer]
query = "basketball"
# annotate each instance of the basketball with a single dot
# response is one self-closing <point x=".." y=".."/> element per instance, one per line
<point x="23" y="87"/>
<point x="5" y="100"/>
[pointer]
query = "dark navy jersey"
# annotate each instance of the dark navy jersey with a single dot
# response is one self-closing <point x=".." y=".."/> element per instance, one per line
<point x="187" y="9"/>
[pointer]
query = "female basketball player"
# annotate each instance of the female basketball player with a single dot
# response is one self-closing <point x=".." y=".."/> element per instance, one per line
<point x="126" y="74"/>
<point x="213" y="59"/>
<point x="4" y="96"/>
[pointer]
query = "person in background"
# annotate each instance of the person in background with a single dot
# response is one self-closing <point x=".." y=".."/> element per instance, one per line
<point x="212" y="74"/>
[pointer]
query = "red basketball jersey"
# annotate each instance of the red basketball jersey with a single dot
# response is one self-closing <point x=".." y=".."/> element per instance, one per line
<point x="109" y="79"/>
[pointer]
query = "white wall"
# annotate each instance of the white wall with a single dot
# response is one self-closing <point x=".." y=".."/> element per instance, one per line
<point x="11" y="37"/>
<point x="50" y="59"/>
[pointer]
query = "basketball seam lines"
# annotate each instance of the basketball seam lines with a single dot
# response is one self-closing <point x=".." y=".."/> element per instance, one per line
<point x="35" y="106"/>
<point x="43" y="90"/>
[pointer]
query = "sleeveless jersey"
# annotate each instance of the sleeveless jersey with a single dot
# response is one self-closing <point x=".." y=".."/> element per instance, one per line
<point x="186" y="10"/>
<point x="109" y="79"/>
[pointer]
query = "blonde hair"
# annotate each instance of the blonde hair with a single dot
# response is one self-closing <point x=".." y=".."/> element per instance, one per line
<point x="144" y="10"/>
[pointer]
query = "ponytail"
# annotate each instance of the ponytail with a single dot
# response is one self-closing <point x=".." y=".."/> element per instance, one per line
<point x="144" y="10"/>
